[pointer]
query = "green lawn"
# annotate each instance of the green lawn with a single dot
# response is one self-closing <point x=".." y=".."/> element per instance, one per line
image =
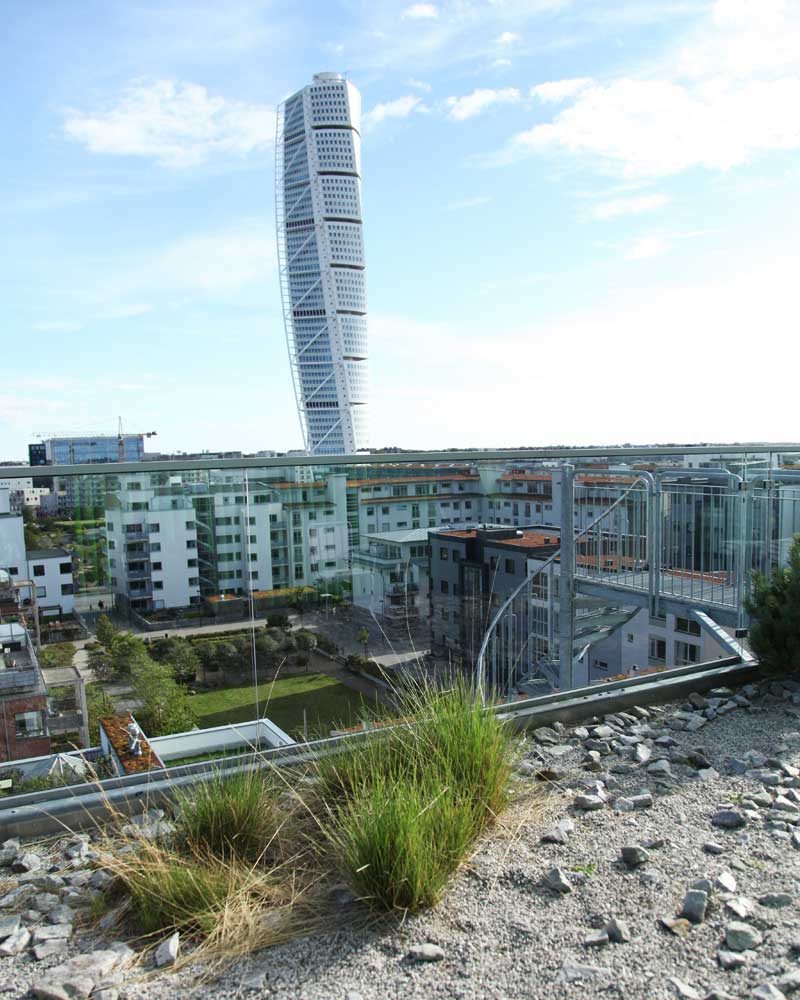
<point x="327" y="702"/>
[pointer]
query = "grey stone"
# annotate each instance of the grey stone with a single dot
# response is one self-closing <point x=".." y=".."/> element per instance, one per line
<point x="16" y="897"/>
<point x="426" y="953"/>
<point x="633" y="856"/>
<point x="711" y="847"/>
<point x="775" y="900"/>
<point x="766" y="991"/>
<point x="694" y="906"/>
<point x="254" y="980"/>
<point x="106" y="993"/>
<point x="588" y="802"/>
<point x="740" y="907"/>
<point x="660" y="768"/>
<point x="15" y="943"/>
<point x="9" y="926"/>
<point x="525" y="768"/>
<point x="728" y="819"/>
<point x="742" y="937"/>
<point x="560" y="833"/>
<point x="52" y="932"/>
<point x="26" y="862"/>
<point x="61" y="914"/>
<point x="598" y="940"/>
<point x="167" y="952"/>
<point x="598" y="746"/>
<point x="573" y="972"/>
<point x="545" y="735"/>
<point x="557" y="881"/>
<point x="100" y="879"/>
<point x="618" y="931"/>
<point x="643" y="800"/>
<point x="703" y="884"/>
<point x="684" y="989"/>
<point x="790" y="981"/>
<point x="45" y="901"/>
<point x="726" y="882"/>
<point x="730" y="959"/>
<point x="49" y="948"/>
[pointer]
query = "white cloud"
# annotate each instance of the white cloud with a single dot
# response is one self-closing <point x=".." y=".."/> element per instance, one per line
<point x="57" y="326"/>
<point x="421" y="12"/>
<point x="497" y="370"/>
<point x="402" y="107"/>
<point x="177" y="124"/>
<point x="507" y="38"/>
<point x="127" y="311"/>
<point x="216" y="263"/>
<point x="655" y="244"/>
<point x="636" y="205"/>
<point x="419" y="85"/>
<point x="501" y="63"/>
<point x="481" y="199"/>
<point x="559" y="90"/>
<point x="727" y="96"/>
<point x="461" y="108"/>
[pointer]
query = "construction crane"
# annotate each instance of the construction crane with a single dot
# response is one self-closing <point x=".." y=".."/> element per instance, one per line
<point x="121" y="439"/>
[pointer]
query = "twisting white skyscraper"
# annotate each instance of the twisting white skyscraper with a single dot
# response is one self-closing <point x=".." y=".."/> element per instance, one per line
<point x="321" y="261"/>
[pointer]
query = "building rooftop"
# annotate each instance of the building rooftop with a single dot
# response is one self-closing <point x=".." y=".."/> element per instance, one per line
<point x="56" y="553"/>
<point x="398" y="537"/>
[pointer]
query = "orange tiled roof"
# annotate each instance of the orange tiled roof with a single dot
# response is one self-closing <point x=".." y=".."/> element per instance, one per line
<point x="411" y="479"/>
<point x="530" y="540"/>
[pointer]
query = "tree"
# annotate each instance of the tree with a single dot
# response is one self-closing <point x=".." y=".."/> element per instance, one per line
<point x="775" y="610"/>
<point x="297" y="601"/>
<point x="306" y="644"/>
<point x="363" y="638"/>
<point x="179" y="655"/>
<point x="105" y="631"/>
<point x="164" y="705"/>
<point x="98" y="705"/>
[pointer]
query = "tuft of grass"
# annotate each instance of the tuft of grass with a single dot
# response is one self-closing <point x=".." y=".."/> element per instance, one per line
<point x="403" y="811"/>
<point x="231" y="817"/>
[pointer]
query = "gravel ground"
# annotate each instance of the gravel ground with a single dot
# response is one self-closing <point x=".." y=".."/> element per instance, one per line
<point x="504" y="934"/>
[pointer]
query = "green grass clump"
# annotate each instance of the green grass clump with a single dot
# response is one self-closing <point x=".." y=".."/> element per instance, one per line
<point x="404" y="811"/>
<point x="231" y="817"/>
<point x="170" y="891"/>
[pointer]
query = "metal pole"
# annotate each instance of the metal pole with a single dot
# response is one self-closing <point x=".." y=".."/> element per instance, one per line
<point x="566" y="592"/>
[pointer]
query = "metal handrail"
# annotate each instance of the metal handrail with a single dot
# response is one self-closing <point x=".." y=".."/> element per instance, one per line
<point x="642" y="477"/>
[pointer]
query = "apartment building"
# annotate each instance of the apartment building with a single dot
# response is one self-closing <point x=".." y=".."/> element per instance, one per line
<point x="23" y="694"/>
<point x="391" y="576"/>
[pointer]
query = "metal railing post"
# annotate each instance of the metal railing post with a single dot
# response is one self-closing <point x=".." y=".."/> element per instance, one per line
<point x="566" y="591"/>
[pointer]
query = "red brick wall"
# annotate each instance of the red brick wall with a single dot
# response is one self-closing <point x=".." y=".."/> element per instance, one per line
<point x="12" y="748"/>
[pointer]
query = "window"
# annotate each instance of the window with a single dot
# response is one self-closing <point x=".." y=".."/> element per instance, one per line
<point x="384" y="510"/>
<point x="158" y="585"/>
<point x="41" y="591"/>
<point x="444" y="553"/>
<point x="510" y="566"/>
<point x="154" y="529"/>
<point x="38" y="570"/>
<point x="191" y="543"/>
<point x="685" y="653"/>
<point x="66" y="588"/>
<point x="630" y="637"/>
<point x="444" y="586"/>
<point x="28" y="725"/>
<point x="155" y="546"/>
<point x="65" y="568"/>
<point x="190" y="525"/>
<point x="688" y="626"/>
<point x="657" y="648"/>
<point x="191" y="563"/>
<point x="156" y="565"/>
<point x="445" y="615"/>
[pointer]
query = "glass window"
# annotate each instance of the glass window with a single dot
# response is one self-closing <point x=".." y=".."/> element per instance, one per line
<point x="65" y="568"/>
<point x="28" y="724"/>
<point x="38" y="570"/>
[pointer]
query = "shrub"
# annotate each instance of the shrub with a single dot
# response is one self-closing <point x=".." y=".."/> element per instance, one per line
<point x="406" y="809"/>
<point x="277" y="621"/>
<point x="234" y="816"/>
<point x="327" y="645"/>
<point x="775" y="608"/>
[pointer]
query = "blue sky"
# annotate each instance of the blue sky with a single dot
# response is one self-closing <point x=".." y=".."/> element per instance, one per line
<point x="581" y="218"/>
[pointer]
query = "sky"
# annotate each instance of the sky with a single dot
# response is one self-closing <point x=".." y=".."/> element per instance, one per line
<point x="580" y="218"/>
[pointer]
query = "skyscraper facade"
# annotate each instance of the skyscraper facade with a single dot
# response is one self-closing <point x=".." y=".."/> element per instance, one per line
<point x="321" y="261"/>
